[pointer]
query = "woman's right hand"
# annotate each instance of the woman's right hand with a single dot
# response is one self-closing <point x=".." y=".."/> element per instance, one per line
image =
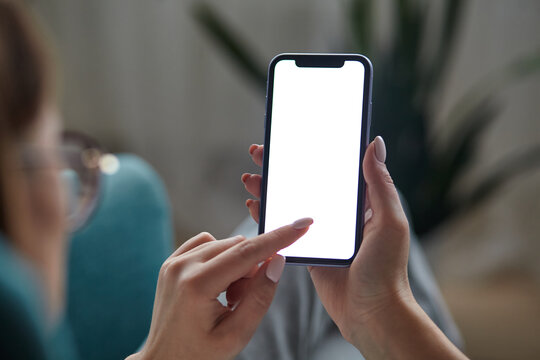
<point x="371" y="301"/>
<point x="188" y="321"/>
<point x="377" y="278"/>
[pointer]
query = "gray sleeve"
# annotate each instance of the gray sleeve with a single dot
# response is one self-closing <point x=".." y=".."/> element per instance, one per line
<point x="425" y="288"/>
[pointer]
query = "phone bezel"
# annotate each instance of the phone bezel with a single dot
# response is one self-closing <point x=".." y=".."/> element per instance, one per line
<point x="321" y="60"/>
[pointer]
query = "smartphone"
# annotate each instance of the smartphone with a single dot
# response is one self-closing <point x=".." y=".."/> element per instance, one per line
<point x="318" y="110"/>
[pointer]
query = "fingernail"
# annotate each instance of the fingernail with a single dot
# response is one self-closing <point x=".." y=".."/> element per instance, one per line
<point x="275" y="268"/>
<point x="248" y="202"/>
<point x="252" y="148"/>
<point x="245" y="177"/>
<point x="380" y="149"/>
<point x="302" y="223"/>
<point x="368" y="214"/>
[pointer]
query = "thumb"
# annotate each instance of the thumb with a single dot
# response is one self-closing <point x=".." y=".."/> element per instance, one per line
<point x="256" y="299"/>
<point x="383" y="197"/>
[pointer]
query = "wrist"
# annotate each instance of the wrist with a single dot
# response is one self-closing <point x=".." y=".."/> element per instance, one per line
<point x="374" y="326"/>
<point x="402" y="330"/>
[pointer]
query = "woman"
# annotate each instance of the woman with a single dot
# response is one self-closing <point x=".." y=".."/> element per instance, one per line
<point x="370" y="302"/>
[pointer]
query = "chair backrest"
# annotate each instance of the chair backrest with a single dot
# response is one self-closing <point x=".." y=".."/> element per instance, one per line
<point x="22" y="316"/>
<point x="115" y="260"/>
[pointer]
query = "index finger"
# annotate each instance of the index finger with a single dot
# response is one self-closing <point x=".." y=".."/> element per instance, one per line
<point x="238" y="260"/>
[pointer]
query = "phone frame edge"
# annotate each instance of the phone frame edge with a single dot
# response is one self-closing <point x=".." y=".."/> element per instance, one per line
<point x="366" y="125"/>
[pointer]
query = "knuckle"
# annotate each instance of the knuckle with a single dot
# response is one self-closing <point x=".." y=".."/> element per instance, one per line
<point x="247" y="248"/>
<point x="165" y="267"/>
<point x="206" y="236"/>
<point x="275" y="235"/>
<point x="398" y="225"/>
<point x="173" y="267"/>
<point x="262" y="298"/>
<point x="387" y="178"/>
<point x="196" y="241"/>
<point x="237" y="238"/>
<point x="190" y="277"/>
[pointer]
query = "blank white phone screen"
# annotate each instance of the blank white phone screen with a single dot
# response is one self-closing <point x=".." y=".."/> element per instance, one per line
<point x="314" y="158"/>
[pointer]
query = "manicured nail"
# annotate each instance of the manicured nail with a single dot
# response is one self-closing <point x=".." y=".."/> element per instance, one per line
<point x="248" y="202"/>
<point x="302" y="223"/>
<point x="275" y="268"/>
<point x="252" y="148"/>
<point x="380" y="149"/>
<point x="368" y="214"/>
<point x="245" y="177"/>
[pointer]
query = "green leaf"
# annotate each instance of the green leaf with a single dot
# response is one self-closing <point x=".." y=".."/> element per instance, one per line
<point x="452" y="17"/>
<point x="360" y="15"/>
<point x="432" y="202"/>
<point x="470" y="117"/>
<point x="451" y="163"/>
<point x="230" y="42"/>
<point x="404" y="50"/>
<point x="496" y="81"/>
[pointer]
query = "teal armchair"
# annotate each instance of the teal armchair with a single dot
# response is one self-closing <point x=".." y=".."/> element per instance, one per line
<point x="115" y="260"/>
<point x="22" y="315"/>
<point x="113" y="269"/>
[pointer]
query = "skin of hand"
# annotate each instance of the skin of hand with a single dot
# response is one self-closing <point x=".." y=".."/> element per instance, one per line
<point x="377" y="277"/>
<point x="188" y="321"/>
<point x="368" y="299"/>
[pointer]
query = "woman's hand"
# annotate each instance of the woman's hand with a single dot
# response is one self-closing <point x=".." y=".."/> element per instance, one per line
<point x="371" y="301"/>
<point x="377" y="278"/>
<point x="188" y="321"/>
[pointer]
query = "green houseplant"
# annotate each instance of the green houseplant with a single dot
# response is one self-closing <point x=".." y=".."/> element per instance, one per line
<point x="425" y="168"/>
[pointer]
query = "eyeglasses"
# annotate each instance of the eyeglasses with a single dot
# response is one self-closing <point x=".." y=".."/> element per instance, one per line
<point x="81" y="174"/>
<point x="82" y="164"/>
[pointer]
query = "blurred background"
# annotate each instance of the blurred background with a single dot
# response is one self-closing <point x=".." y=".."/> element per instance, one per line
<point x="456" y="97"/>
